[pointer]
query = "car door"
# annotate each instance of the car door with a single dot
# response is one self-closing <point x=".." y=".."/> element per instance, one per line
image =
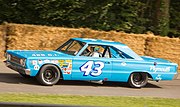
<point x="121" y="69"/>
<point x="122" y="65"/>
<point x="91" y="68"/>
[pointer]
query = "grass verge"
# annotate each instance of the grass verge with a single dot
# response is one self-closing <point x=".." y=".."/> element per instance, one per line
<point x="113" y="101"/>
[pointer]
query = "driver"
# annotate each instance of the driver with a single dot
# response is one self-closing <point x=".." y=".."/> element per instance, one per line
<point x="94" y="51"/>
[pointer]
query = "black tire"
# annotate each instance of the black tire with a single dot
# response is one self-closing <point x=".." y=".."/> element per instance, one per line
<point x="48" y="75"/>
<point x="25" y="76"/>
<point x="138" y="79"/>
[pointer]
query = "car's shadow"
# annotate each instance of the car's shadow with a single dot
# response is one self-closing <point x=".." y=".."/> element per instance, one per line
<point x="15" y="78"/>
<point x="105" y="84"/>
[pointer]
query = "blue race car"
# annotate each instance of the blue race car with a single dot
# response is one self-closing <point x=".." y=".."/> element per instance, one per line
<point x="90" y="60"/>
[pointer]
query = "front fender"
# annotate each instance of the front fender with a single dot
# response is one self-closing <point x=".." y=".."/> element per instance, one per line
<point x="35" y="65"/>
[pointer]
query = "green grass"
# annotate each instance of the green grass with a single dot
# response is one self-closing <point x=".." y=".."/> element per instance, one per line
<point x="91" y="100"/>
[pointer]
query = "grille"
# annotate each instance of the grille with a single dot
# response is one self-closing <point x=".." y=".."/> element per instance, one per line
<point x="15" y="59"/>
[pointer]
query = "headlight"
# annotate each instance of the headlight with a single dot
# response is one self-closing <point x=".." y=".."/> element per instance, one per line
<point x="23" y="62"/>
<point x="8" y="56"/>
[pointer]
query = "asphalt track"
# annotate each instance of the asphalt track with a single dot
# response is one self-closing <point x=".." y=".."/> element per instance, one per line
<point x="12" y="82"/>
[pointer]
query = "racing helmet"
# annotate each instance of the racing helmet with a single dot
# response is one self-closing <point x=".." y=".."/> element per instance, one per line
<point x="96" y="48"/>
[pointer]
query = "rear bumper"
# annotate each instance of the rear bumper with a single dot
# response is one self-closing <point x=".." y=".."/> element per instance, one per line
<point x="17" y="68"/>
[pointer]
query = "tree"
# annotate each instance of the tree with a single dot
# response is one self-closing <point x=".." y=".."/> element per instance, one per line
<point x="161" y="18"/>
<point x="174" y="18"/>
<point x="135" y="16"/>
<point x="19" y="11"/>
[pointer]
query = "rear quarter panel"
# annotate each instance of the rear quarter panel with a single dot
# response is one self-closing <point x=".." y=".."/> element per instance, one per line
<point x="123" y="68"/>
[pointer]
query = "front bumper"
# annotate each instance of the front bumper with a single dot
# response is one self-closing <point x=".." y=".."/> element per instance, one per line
<point x="17" y="68"/>
<point x="175" y="76"/>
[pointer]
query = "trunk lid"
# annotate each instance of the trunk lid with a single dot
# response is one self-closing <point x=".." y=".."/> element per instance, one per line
<point x="152" y="59"/>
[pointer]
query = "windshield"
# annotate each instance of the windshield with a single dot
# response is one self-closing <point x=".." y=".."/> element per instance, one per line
<point x="71" y="47"/>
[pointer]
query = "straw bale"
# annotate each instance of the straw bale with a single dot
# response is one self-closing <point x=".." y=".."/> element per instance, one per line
<point x="48" y="38"/>
<point x="135" y="41"/>
<point x="164" y="47"/>
<point x="2" y="42"/>
<point x="38" y="37"/>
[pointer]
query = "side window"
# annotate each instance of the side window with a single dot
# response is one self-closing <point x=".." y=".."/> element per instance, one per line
<point x="115" y="53"/>
<point x="93" y="51"/>
<point x="72" y="47"/>
<point x="66" y="45"/>
<point x="107" y="54"/>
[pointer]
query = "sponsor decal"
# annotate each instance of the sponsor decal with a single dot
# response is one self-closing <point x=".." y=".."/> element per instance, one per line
<point x="66" y="66"/>
<point x="158" y="77"/>
<point x="46" y="61"/>
<point x="36" y="67"/>
<point x="34" y="62"/>
<point x="40" y="61"/>
<point x="33" y="54"/>
<point x="38" y="55"/>
<point x="61" y="61"/>
<point x="43" y="55"/>
<point x="123" y="64"/>
<point x="68" y="61"/>
<point x="50" y="55"/>
<point x="160" y="69"/>
<point x="54" y="61"/>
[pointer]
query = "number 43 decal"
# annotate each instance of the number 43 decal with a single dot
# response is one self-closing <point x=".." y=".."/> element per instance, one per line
<point x="89" y="69"/>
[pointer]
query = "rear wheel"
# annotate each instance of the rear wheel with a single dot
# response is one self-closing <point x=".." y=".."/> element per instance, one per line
<point x="48" y="75"/>
<point x="138" y="79"/>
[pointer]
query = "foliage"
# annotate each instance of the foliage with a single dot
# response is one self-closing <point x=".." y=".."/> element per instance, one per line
<point x="134" y="16"/>
<point x="101" y="15"/>
<point x="18" y="11"/>
<point x="174" y="19"/>
<point x="161" y="20"/>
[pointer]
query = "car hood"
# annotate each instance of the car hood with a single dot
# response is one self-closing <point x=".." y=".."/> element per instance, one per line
<point x="36" y="53"/>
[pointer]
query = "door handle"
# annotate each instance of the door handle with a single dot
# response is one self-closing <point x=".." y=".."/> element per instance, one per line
<point x="107" y="62"/>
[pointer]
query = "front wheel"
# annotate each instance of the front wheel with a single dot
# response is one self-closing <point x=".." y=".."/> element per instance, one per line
<point x="138" y="79"/>
<point x="48" y="75"/>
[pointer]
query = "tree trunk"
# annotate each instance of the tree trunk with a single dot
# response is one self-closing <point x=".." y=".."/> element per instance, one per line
<point x="161" y="19"/>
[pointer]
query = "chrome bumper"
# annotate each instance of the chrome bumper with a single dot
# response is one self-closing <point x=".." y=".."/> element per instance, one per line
<point x="17" y="68"/>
